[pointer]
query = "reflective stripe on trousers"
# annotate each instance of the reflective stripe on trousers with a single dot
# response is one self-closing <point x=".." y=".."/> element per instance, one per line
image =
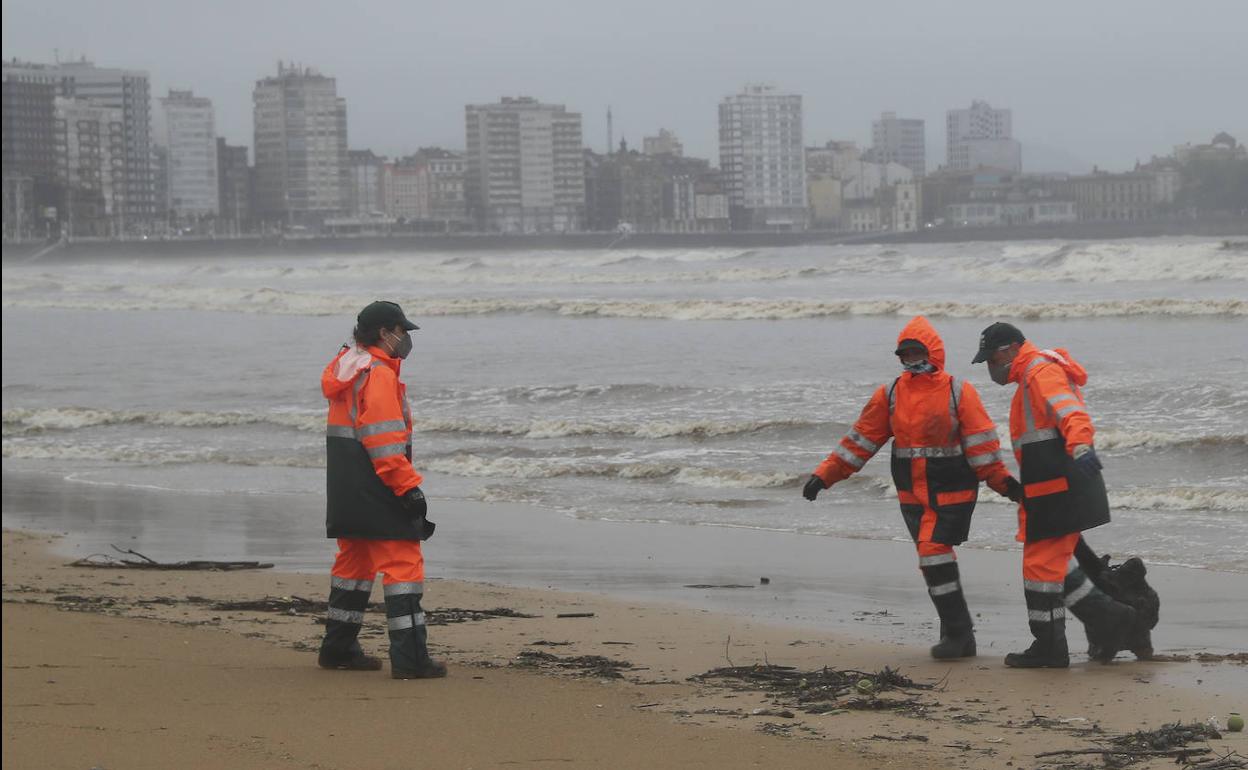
<point x="405" y="621"/>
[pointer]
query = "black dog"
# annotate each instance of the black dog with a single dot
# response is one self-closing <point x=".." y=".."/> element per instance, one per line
<point x="1124" y="583"/>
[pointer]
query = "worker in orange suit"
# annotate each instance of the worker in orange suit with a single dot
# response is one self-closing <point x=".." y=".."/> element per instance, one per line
<point x="944" y="444"/>
<point x="1063" y="495"/>
<point x="375" y="507"/>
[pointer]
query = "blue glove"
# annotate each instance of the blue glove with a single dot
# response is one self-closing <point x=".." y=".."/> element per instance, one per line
<point x="1086" y="460"/>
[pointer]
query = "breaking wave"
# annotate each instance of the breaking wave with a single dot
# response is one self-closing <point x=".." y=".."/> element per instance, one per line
<point x="147" y="455"/>
<point x="23" y="421"/>
<point x="1113" y="262"/>
<point x="266" y="301"/>
<point x="32" y="421"/>
<point x="1181" y="499"/>
<point x="468" y="464"/>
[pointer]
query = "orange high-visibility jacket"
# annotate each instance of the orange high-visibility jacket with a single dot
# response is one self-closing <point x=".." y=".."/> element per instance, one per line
<point x="368" y="463"/>
<point x="1048" y="419"/>
<point x="944" y="444"/>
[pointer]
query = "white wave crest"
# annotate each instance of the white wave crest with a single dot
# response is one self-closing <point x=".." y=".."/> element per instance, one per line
<point x="1113" y="262"/>
<point x="150" y="455"/>
<point x="1118" y="439"/>
<point x="22" y="421"/>
<point x="1181" y="499"/>
<point x="27" y="421"/>
<point x="473" y="465"/>
<point x="265" y="301"/>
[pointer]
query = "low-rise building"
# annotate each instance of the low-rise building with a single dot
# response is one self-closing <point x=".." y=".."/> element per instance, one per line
<point x="1105" y="197"/>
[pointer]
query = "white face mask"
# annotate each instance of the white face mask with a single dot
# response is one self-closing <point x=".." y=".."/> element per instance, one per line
<point x="919" y="367"/>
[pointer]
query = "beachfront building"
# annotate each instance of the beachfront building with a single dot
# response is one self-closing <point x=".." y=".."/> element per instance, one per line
<point x="665" y="143"/>
<point x="29" y="150"/>
<point x="982" y="137"/>
<point x="90" y="142"/>
<point x="1129" y="197"/>
<point x="447" y="170"/>
<point x="129" y="91"/>
<point x="366" y="174"/>
<point x="192" y="191"/>
<point x="405" y="189"/>
<point x="899" y="140"/>
<point x="235" y="179"/>
<point x="524" y="167"/>
<point x="302" y="172"/>
<point x="762" y="158"/>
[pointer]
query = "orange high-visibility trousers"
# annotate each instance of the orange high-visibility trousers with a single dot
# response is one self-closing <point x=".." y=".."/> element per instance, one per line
<point x="400" y="561"/>
<point x="1046" y="561"/>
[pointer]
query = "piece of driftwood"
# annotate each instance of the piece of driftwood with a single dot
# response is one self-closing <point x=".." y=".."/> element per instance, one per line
<point x="575" y="615"/>
<point x="1185" y="752"/>
<point x="105" y="561"/>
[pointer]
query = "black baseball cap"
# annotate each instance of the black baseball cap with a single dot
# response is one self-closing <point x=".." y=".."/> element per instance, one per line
<point x="997" y="336"/>
<point x="383" y="314"/>
<point x="909" y="344"/>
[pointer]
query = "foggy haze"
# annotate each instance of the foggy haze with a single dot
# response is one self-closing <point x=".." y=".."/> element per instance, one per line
<point x="1102" y="83"/>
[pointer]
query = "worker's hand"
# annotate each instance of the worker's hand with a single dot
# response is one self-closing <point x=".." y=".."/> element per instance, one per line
<point x="414" y="501"/>
<point x="814" y="485"/>
<point x="1086" y="460"/>
<point x="1013" y="489"/>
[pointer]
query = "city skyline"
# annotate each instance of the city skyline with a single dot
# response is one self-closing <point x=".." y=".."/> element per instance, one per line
<point x="1155" y="84"/>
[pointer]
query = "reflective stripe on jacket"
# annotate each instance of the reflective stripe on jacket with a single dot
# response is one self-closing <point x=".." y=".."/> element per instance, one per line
<point x="368" y="466"/>
<point x="944" y="444"/>
<point x="1048" y="419"/>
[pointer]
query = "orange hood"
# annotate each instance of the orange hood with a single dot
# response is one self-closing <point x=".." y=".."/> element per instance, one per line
<point x="922" y="330"/>
<point x="1060" y="356"/>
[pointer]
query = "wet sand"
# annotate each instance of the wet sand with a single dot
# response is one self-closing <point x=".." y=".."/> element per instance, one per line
<point x="125" y="668"/>
<point x="861" y="588"/>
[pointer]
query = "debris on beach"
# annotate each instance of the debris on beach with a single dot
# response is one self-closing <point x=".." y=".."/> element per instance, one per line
<point x="1169" y="740"/>
<point x="106" y="561"/>
<point x="1199" y="657"/>
<point x="720" y="585"/>
<point x="582" y="665"/>
<point x="1168" y="736"/>
<point x="905" y="737"/>
<point x="822" y="691"/>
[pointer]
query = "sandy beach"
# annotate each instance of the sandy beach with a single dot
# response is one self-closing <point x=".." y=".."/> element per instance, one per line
<point x="138" y="668"/>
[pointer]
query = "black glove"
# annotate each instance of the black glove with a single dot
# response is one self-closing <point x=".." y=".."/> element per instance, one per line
<point x="415" y="502"/>
<point x="1086" y="461"/>
<point x="813" y="487"/>
<point x="1013" y="489"/>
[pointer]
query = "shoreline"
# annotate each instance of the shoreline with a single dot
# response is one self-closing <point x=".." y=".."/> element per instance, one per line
<point x="830" y="584"/>
<point x="85" y="249"/>
<point x="163" y="668"/>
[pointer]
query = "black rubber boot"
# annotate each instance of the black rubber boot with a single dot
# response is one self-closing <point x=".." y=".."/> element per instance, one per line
<point x="1046" y="617"/>
<point x="957" y="635"/>
<point x="340" y="648"/>
<point x="409" y="650"/>
<point x="1108" y="623"/>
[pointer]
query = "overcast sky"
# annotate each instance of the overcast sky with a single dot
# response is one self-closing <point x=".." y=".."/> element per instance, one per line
<point x="1090" y="81"/>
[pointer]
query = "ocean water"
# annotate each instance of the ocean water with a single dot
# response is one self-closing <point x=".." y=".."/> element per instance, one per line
<point x="684" y="387"/>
